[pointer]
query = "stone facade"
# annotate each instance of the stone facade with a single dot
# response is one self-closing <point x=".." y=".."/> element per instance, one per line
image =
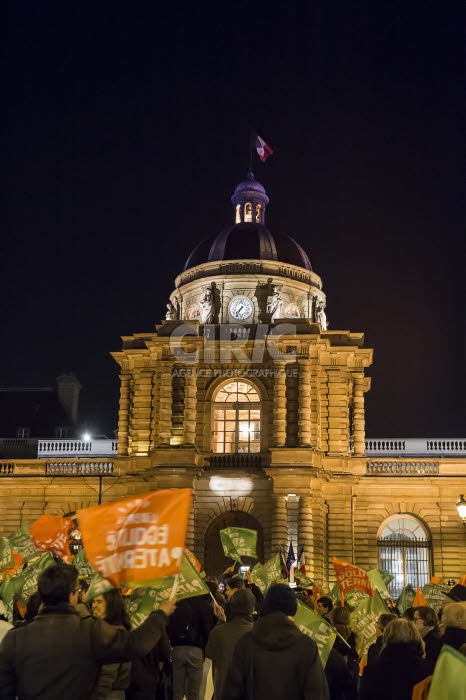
<point x="295" y="468"/>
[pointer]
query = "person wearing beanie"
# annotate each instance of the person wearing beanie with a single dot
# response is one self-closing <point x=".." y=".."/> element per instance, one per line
<point x="223" y="638"/>
<point x="275" y="659"/>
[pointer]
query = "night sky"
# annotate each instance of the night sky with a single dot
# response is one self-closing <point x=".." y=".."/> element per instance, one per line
<point x="125" y="132"/>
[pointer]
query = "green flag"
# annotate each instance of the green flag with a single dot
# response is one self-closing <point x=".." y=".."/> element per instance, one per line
<point x="317" y="628"/>
<point x="379" y="581"/>
<point x="364" y="620"/>
<point x="97" y="586"/>
<point x="434" y="593"/>
<point x="406" y="598"/>
<point x="86" y="570"/>
<point x="189" y="584"/>
<point x="7" y="592"/>
<point x="140" y="607"/>
<point x="239" y="542"/>
<point x="6" y="554"/>
<point x="303" y="580"/>
<point x="21" y="541"/>
<point x="268" y="572"/>
<point x="25" y="583"/>
<point x="449" y="679"/>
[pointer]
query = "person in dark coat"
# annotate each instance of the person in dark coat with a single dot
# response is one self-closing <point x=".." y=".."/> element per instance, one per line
<point x="454" y="619"/>
<point x="223" y="638"/>
<point x="150" y="673"/>
<point x="374" y="650"/>
<point x="59" y="653"/>
<point x="275" y="660"/>
<point x="426" y="622"/>
<point x="399" y="667"/>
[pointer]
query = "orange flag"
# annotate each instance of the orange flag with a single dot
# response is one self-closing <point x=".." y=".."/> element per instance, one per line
<point x="349" y="577"/>
<point x="17" y="566"/>
<point x="139" y="538"/>
<point x="462" y="581"/>
<point x="194" y="560"/>
<point x="50" y="534"/>
<point x="419" y="599"/>
<point x="435" y="579"/>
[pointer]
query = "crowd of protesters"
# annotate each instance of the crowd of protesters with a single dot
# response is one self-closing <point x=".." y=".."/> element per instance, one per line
<point x="69" y="647"/>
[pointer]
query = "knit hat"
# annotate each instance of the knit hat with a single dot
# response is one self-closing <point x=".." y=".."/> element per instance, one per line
<point x="457" y="593"/>
<point x="280" y="598"/>
<point x="242" y="603"/>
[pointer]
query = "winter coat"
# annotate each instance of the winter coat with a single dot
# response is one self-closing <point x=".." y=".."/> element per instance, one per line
<point x="374" y="650"/>
<point x="394" y="674"/>
<point x="220" y="648"/>
<point x="191" y="622"/>
<point x="275" y="661"/>
<point x="340" y="681"/>
<point x="454" y="637"/>
<point x="59" y="654"/>
<point x="433" y="643"/>
<point x="146" y="673"/>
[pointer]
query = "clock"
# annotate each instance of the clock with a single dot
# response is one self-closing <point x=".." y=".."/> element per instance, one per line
<point x="241" y="308"/>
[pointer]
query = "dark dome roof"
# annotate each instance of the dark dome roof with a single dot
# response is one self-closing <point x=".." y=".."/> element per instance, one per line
<point x="248" y="241"/>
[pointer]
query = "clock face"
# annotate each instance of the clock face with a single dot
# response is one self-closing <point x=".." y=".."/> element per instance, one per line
<point x="241" y="308"/>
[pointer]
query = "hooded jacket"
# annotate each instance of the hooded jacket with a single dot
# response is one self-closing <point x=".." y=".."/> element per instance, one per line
<point x="274" y="661"/>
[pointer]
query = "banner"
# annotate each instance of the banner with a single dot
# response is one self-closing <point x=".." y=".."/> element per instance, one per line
<point x="84" y="567"/>
<point x="6" y="554"/>
<point x="97" y="586"/>
<point x="25" y="583"/>
<point x="434" y="593"/>
<point x="406" y="598"/>
<point x="449" y="680"/>
<point x="50" y="534"/>
<point x="350" y="576"/>
<point x="139" y="538"/>
<point x="239" y="542"/>
<point x="267" y="573"/>
<point x="317" y="628"/>
<point x="363" y="620"/>
<point x="21" y="541"/>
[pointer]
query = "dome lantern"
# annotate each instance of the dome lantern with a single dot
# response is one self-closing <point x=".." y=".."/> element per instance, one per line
<point x="250" y="201"/>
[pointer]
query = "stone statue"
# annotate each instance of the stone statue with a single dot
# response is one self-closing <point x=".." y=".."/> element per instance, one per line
<point x="274" y="304"/>
<point x="321" y="316"/>
<point x="170" y="314"/>
<point x="207" y="306"/>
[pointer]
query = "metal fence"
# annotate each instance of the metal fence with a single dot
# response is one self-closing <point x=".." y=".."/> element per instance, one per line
<point x="407" y="559"/>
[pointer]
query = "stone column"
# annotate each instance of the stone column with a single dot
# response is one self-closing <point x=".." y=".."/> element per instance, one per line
<point x="166" y="398"/>
<point x="141" y="411"/>
<point x="304" y="403"/>
<point x="190" y="405"/>
<point x="124" y="413"/>
<point x="279" y="524"/>
<point x="338" y="412"/>
<point x="360" y="385"/>
<point x="279" y="405"/>
<point x="306" y="535"/>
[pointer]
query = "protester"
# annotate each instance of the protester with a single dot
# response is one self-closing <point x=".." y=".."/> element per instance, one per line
<point x="188" y="631"/>
<point x="399" y="667"/>
<point x="324" y="607"/>
<point x="427" y="624"/>
<point x="275" y="660"/>
<point x="409" y="614"/>
<point x="346" y="644"/>
<point x="454" y="619"/>
<point x="212" y="584"/>
<point x="151" y="676"/>
<point x="113" y="678"/>
<point x="59" y="654"/>
<point x="374" y="650"/>
<point x="223" y="638"/>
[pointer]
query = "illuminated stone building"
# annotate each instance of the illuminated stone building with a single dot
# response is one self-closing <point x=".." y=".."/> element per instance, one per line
<point x="246" y="395"/>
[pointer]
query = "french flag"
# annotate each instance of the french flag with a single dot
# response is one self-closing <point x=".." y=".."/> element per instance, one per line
<point x="302" y="562"/>
<point x="263" y="150"/>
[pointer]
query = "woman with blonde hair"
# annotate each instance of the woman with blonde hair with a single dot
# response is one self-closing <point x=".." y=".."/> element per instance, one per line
<point x="400" y="665"/>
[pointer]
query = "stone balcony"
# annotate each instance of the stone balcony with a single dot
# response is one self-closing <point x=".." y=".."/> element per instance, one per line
<point x="76" y="448"/>
<point x="416" y="447"/>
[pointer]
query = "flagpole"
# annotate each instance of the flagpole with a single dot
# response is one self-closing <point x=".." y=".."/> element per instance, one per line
<point x="174" y="587"/>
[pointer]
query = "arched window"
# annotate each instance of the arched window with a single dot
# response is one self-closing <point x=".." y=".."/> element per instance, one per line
<point x="259" y="213"/>
<point x="248" y="211"/>
<point x="238" y="214"/>
<point x="404" y="551"/>
<point x="236" y="419"/>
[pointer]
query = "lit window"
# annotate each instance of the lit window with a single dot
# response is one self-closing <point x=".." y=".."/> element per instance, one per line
<point x="405" y="551"/>
<point x="259" y="213"/>
<point x="236" y="426"/>
<point x="238" y="213"/>
<point x="248" y="211"/>
<point x="23" y="433"/>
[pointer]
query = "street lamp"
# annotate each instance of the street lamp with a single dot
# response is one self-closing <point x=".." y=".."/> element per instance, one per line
<point x="461" y="508"/>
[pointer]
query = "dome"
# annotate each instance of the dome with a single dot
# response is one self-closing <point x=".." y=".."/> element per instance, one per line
<point x="249" y="241"/>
